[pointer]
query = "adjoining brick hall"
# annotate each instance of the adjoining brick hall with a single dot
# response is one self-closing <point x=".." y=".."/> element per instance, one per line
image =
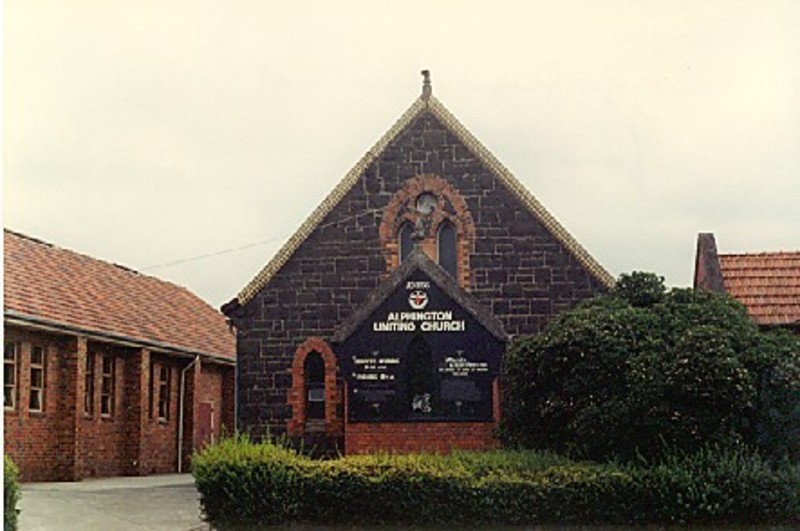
<point x="382" y="322"/>
<point x="106" y="371"/>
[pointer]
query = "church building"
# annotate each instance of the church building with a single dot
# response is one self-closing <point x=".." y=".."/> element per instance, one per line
<point x="382" y="322"/>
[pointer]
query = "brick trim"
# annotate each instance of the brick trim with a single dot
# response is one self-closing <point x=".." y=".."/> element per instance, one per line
<point x="297" y="394"/>
<point x="451" y="207"/>
<point x="413" y="437"/>
<point x="416" y="437"/>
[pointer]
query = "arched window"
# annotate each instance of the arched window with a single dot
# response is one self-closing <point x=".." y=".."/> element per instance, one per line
<point x="314" y="374"/>
<point x="446" y="243"/>
<point x="405" y="239"/>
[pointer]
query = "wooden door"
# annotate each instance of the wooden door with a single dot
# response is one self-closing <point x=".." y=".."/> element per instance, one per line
<point x="205" y="425"/>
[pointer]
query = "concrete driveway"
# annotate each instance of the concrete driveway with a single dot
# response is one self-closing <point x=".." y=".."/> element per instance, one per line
<point x="168" y="502"/>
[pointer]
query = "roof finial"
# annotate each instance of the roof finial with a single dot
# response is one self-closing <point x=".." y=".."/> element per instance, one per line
<point x="426" y="84"/>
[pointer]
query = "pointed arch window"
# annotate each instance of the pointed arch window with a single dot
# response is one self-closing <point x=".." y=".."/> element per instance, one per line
<point x="314" y="374"/>
<point x="414" y="216"/>
<point x="446" y="241"/>
<point x="405" y="238"/>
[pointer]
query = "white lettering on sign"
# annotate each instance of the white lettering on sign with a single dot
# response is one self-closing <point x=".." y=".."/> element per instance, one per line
<point x="420" y="316"/>
<point x="392" y="326"/>
<point x="461" y="366"/>
<point x="446" y="326"/>
<point x="374" y="367"/>
<point x="417" y="284"/>
<point x="431" y="321"/>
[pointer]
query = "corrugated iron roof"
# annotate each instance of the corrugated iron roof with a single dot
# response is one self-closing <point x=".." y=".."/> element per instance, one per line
<point x="768" y="284"/>
<point x="47" y="284"/>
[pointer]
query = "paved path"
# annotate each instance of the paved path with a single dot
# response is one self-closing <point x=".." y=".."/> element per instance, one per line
<point x="168" y="502"/>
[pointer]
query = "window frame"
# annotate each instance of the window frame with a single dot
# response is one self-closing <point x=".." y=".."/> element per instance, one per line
<point x="452" y="206"/>
<point x="448" y="225"/>
<point x="107" y="386"/>
<point x="88" y="385"/>
<point x="14" y="385"/>
<point x="405" y="240"/>
<point x="36" y="393"/>
<point x="164" y="388"/>
<point x="314" y="383"/>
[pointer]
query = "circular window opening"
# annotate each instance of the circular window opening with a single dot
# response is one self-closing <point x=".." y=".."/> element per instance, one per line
<point x="426" y="203"/>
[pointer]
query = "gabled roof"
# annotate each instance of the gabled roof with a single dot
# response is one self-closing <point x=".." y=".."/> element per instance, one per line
<point x="425" y="103"/>
<point x="417" y="260"/>
<point x="768" y="284"/>
<point x="57" y="289"/>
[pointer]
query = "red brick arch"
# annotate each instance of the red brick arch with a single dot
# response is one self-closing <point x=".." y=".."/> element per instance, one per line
<point x="297" y="393"/>
<point x="451" y="206"/>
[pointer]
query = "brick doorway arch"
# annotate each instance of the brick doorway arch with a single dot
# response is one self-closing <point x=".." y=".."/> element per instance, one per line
<point x="332" y="425"/>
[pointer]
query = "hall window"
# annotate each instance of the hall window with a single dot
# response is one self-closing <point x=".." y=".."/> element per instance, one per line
<point x="163" y="392"/>
<point x="405" y="238"/>
<point x="446" y="244"/>
<point x="314" y="375"/>
<point x="37" y="382"/>
<point x="10" y="375"/>
<point x="107" y="387"/>
<point x="88" y="385"/>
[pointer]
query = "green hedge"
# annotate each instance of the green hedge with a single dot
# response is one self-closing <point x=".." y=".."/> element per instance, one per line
<point x="246" y="484"/>
<point x="10" y="494"/>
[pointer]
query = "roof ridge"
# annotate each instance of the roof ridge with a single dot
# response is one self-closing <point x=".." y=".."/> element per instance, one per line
<point x="118" y="267"/>
<point x="763" y="254"/>
<point x="26" y="237"/>
<point x="430" y="103"/>
<point x="327" y="205"/>
<point x="522" y="193"/>
<point x="52" y="288"/>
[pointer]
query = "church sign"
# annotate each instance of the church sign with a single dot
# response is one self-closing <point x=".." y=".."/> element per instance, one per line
<point x="420" y="356"/>
<point x="418" y="319"/>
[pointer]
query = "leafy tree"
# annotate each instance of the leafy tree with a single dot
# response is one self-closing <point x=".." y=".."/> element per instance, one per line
<point x="644" y="369"/>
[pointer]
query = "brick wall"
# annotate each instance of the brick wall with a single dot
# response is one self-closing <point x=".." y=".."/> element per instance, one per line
<point x="213" y="385"/>
<point x="33" y="439"/>
<point x="405" y="437"/>
<point x="517" y="268"/>
<point x="65" y="442"/>
<point x="158" y="448"/>
<point x="103" y="440"/>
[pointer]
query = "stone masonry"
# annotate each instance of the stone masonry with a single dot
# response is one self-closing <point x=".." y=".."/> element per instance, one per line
<point x="517" y="268"/>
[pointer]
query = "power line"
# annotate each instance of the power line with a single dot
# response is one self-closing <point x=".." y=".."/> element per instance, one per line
<point x="213" y="254"/>
<point x="251" y="245"/>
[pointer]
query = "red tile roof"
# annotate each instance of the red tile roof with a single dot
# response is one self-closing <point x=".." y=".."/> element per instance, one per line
<point x="55" y="286"/>
<point x="768" y="284"/>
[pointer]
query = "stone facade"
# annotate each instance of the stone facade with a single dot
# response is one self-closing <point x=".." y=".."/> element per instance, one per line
<point x="509" y="260"/>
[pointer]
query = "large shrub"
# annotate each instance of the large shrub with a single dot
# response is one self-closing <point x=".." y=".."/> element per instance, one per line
<point x="244" y="485"/>
<point x="645" y="369"/>
<point x="10" y="494"/>
<point x="717" y="484"/>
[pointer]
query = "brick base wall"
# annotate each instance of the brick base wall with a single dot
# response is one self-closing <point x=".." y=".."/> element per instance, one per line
<point x="406" y="437"/>
<point x="64" y="442"/>
<point x="35" y="440"/>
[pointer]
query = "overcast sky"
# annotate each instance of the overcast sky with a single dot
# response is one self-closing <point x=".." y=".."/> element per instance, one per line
<point x="147" y="133"/>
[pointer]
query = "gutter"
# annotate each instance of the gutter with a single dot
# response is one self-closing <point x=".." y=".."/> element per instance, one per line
<point x="180" y="412"/>
<point x="47" y="325"/>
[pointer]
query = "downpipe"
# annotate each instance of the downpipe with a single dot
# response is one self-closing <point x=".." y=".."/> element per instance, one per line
<point x="180" y="412"/>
